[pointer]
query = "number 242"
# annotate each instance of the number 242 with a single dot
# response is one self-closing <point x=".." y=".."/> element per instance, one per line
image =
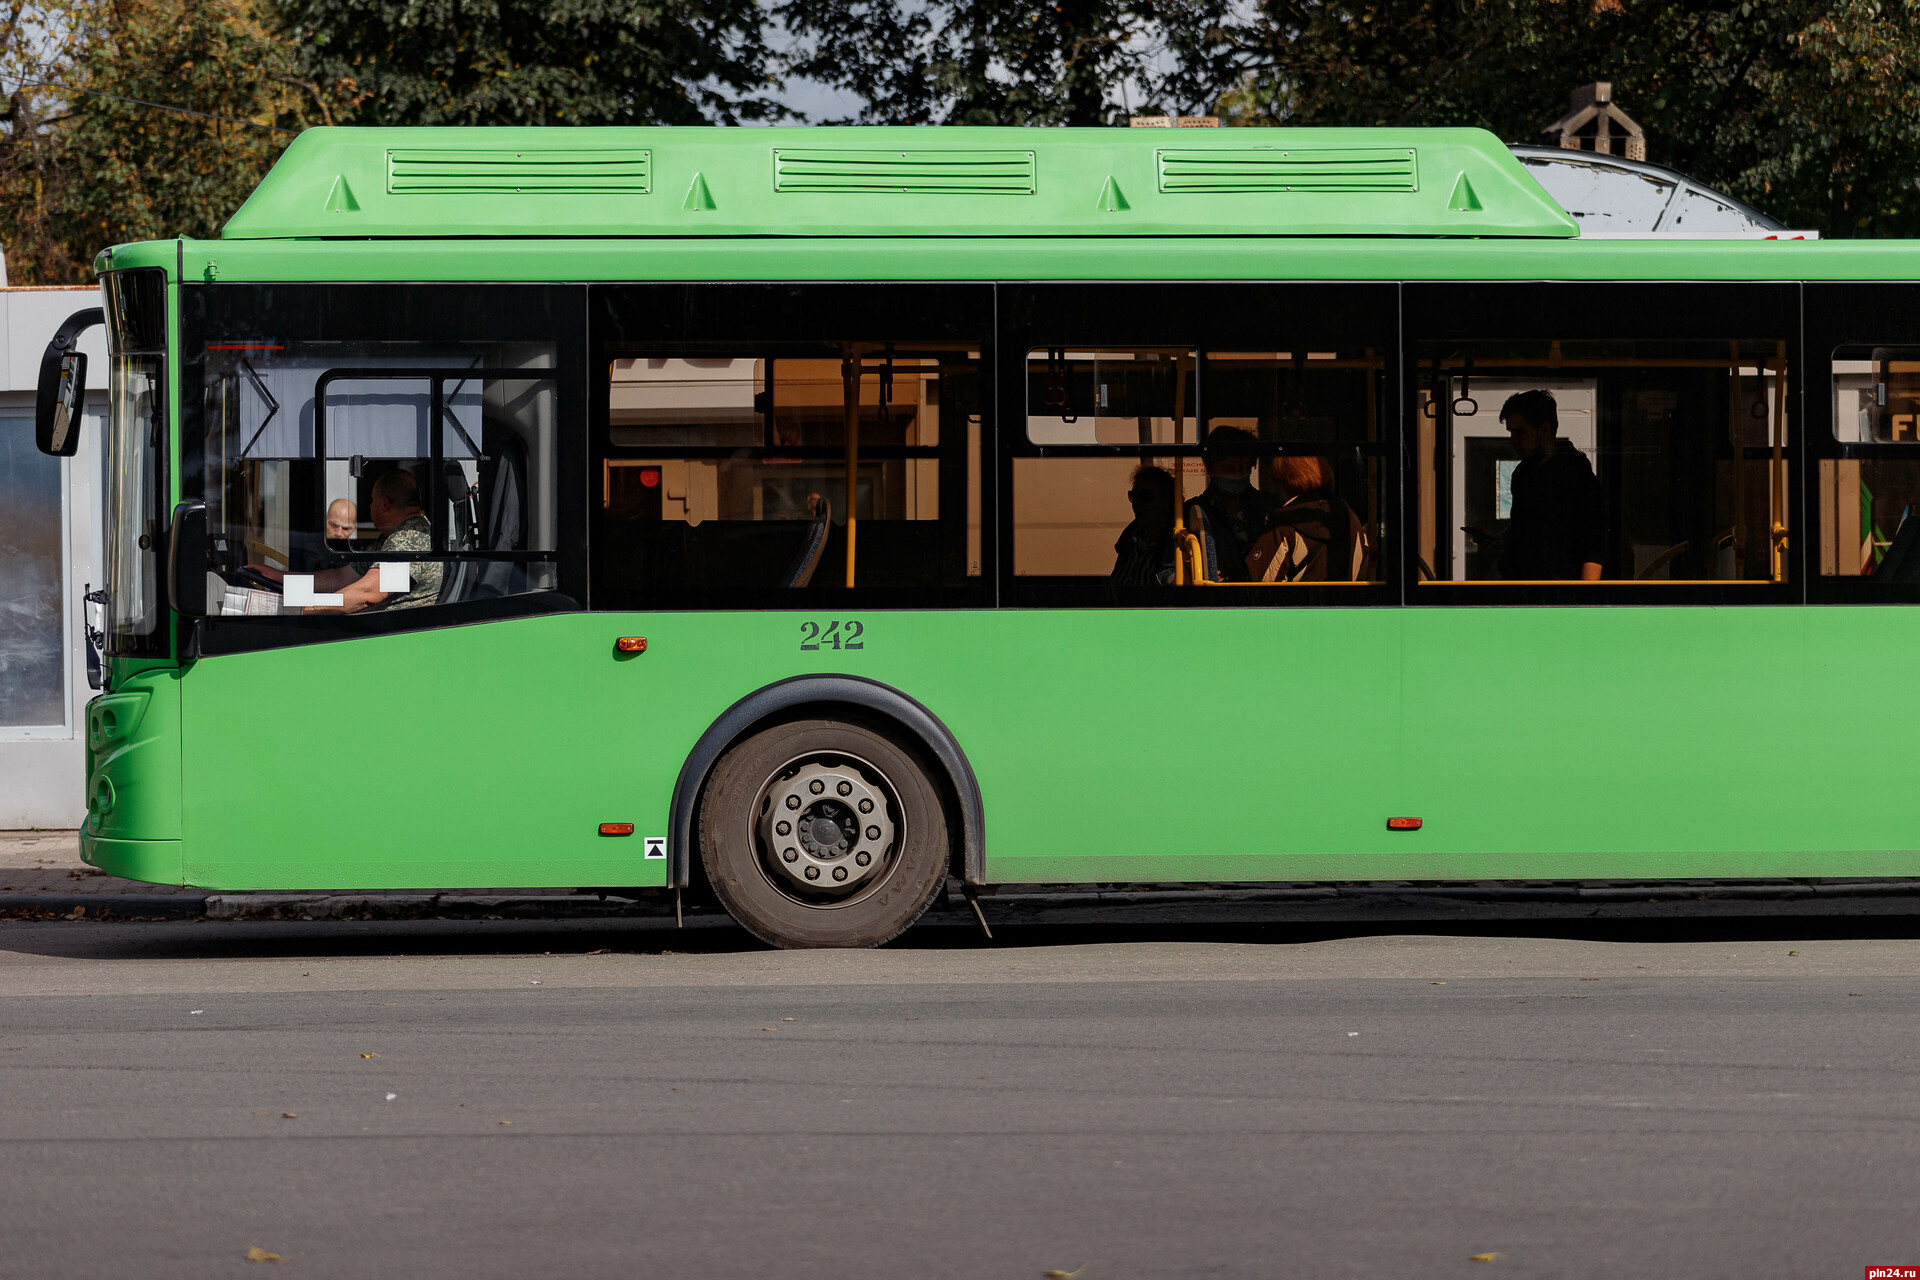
<point x="834" y="637"/>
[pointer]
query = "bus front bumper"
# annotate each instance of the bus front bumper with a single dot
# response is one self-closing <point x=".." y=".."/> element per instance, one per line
<point x="154" y="861"/>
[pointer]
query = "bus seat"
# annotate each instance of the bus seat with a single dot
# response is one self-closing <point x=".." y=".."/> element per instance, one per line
<point x="1900" y="564"/>
<point x="1664" y="559"/>
<point x="807" y="559"/>
<point x="503" y="479"/>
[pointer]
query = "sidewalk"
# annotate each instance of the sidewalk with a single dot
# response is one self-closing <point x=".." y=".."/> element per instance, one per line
<point x="41" y="876"/>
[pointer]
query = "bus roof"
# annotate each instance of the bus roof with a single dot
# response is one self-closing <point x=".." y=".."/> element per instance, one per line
<point x="896" y="181"/>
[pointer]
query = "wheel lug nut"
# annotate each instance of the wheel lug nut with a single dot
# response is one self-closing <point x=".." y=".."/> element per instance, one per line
<point x="816" y="786"/>
<point x="783" y="828"/>
<point x="839" y="873"/>
<point x="813" y="873"/>
<point x="873" y="833"/>
<point x="866" y="806"/>
<point x="793" y="802"/>
<point x="863" y="858"/>
<point x="790" y="855"/>
<point x="845" y="788"/>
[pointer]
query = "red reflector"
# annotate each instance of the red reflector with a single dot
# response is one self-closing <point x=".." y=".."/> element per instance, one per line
<point x="1403" y="824"/>
<point x="649" y="477"/>
<point x="616" y="828"/>
<point x="631" y="644"/>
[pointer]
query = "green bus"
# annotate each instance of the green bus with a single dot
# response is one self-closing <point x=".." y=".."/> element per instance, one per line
<point x="827" y="517"/>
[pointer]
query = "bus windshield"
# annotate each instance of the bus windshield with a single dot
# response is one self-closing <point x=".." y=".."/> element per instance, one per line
<point x="136" y="351"/>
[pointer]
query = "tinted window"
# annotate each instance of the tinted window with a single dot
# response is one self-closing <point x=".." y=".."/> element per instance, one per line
<point x="791" y="468"/>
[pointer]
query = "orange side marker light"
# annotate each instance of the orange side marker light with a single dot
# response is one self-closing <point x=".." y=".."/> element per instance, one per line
<point x="1403" y="824"/>
<point x="631" y="644"/>
<point x="616" y="828"/>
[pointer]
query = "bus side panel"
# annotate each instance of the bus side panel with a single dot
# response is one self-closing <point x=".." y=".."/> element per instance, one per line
<point x="486" y="756"/>
<point x="1191" y="745"/>
<point x="479" y="756"/>
<point x="1656" y="742"/>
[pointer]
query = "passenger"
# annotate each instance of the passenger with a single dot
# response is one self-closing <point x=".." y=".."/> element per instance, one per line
<point x="336" y="538"/>
<point x="403" y="527"/>
<point x="342" y="517"/>
<point x="1143" y="557"/>
<point x="1312" y="536"/>
<point x="1559" y="510"/>
<point x="1235" y="513"/>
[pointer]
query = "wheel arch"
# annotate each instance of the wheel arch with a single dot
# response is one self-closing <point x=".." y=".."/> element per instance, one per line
<point x="781" y="700"/>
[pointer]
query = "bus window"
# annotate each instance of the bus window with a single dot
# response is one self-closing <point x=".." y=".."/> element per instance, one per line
<point x="1869" y="492"/>
<point x="1551" y="461"/>
<point x="1271" y="464"/>
<point x="793" y="469"/>
<point x="331" y="488"/>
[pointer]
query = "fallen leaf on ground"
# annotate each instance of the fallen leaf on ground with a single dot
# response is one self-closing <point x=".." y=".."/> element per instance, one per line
<point x="601" y="951"/>
<point x="1057" y="1274"/>
<point x="1793" y="953"/>
<point x="506" y="1122"/>
<point x="1436" y="984"/>
<point x="256" y="1254"/>
<point x="369" y="1055"/>
<point x="789" y="1019"/>
<point x="289" y="1115"/>
<point x="1484" y="1257"/>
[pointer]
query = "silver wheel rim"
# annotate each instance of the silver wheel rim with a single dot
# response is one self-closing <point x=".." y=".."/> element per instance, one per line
<point x="826" y="829"/>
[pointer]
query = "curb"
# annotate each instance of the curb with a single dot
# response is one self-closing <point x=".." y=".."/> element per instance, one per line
<point x="1046" y="904"/>
<point x="102" y="906"/>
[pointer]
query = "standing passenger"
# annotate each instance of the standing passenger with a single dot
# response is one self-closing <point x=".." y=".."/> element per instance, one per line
<point x="1559" y="511"/>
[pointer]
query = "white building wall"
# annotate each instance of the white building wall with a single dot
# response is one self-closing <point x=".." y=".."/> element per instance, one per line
<point x="42" y="766"/>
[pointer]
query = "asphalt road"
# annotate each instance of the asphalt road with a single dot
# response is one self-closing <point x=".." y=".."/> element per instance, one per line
<point x="440" y="1099"/>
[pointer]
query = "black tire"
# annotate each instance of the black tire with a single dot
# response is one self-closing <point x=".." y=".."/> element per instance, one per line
<point x="758" y="881"/>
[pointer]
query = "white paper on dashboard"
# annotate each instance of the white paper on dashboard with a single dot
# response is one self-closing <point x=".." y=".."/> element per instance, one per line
<point x="299" y="592"/>
<point x="395" y="577"/>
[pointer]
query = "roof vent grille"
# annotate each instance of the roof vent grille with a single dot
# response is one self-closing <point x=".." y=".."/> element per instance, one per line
<point x="921" y="173"/>
<point x="475" y="171"/>
<point x="1272" y="169"/>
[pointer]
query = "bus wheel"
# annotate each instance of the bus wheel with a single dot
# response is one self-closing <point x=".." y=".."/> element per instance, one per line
<point x="823" y="833"/>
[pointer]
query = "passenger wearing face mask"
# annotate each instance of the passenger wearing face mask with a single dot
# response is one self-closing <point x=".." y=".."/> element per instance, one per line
<point x="1233" y="512"/>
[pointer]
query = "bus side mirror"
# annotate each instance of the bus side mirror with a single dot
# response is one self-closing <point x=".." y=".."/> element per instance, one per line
<point x="189" y="557"/>
<point x="63" y="386"/>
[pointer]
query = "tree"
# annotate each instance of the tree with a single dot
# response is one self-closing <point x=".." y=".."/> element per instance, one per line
<point x="1076" y="62"/>
<point x="151" y="118"/>
<point x="584" y="62"/>
<point x="1809" y="109"/>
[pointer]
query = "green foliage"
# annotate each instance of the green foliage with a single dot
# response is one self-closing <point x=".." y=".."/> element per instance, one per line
<point x="86" y="163"/>
<point x="1809" y="109"/>
<point x="1075" y="62"/>
<point x="584" y="62"/>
